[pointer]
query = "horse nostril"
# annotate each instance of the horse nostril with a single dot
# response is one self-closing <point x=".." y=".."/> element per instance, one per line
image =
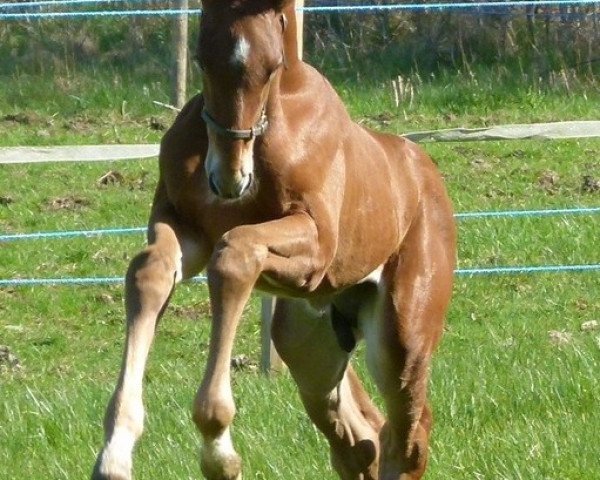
<point x="213" y="185"/>
<point x="244" y="185"/>
<point x="249" y="181"/>
<point x="229" y="190"/>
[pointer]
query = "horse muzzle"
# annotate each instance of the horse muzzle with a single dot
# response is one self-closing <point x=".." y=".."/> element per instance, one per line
<point x="229" y="167"/>
<point x="229" y="187"/>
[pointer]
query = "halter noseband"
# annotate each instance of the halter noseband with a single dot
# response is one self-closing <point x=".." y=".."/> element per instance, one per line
<point x="256" y="131"/>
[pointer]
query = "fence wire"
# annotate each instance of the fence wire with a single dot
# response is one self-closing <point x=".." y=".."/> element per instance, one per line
<point x="492" y="7"/>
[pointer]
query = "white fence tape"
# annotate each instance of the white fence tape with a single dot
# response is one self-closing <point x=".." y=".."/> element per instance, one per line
<point x="539" y="131"/>
<point x="93" y="153"/>
<point x="83" y="153"/>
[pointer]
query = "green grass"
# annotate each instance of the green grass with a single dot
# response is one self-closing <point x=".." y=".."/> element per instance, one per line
<point x="510" y="401"/>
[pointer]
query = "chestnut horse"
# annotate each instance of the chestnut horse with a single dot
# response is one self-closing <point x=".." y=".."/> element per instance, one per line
<point x="267" y="183"/>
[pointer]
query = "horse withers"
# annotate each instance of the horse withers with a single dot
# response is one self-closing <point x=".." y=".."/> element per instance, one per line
<point x="267" y="183"/>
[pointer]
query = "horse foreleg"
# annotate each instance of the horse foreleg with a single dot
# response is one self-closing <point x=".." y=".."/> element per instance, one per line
<point x="329" y="388"/>
<point x="150" y="279"/>
<point x="284" y="248"/>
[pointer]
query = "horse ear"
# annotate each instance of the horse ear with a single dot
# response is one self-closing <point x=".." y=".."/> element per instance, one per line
<point x="208" y="3"/>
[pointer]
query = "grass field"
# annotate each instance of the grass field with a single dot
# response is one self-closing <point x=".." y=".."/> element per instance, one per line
<point x="515" y="382"/>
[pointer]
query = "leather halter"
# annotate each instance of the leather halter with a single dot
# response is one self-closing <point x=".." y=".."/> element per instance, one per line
<point x="256" y="131"/>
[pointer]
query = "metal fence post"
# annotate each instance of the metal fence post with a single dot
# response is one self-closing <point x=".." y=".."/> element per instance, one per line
<point x="269" y="359"/>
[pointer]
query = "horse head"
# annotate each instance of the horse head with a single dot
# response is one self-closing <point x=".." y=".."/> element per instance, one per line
<point x="240" y="52"/>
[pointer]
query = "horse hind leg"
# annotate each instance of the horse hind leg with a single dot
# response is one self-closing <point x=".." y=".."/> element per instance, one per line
<point x="329" y="388"/>
<point x="399" y="348"/>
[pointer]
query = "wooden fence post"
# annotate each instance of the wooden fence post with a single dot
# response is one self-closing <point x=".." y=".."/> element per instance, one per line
<point x="300" y="27"/>
<point x="180" y="47"/>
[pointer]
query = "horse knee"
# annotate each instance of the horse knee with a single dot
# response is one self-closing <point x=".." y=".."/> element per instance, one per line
<point x="151" y="276"/>
<point x="236" y="259"/>
<point x="154" y="265"/>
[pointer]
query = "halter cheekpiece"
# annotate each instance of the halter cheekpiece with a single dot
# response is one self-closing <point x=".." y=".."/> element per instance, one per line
<point x="256" y="131"/>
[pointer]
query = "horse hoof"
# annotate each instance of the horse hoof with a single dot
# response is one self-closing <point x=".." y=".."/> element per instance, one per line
<point x="224" y="468"/>
<point x="104" y="470"/>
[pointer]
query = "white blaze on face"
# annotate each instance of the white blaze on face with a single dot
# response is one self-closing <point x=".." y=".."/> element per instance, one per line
<point x="240" y="52"/>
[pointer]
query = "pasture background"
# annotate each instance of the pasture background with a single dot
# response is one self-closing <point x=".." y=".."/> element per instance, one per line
<point x="515" y="382"/>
